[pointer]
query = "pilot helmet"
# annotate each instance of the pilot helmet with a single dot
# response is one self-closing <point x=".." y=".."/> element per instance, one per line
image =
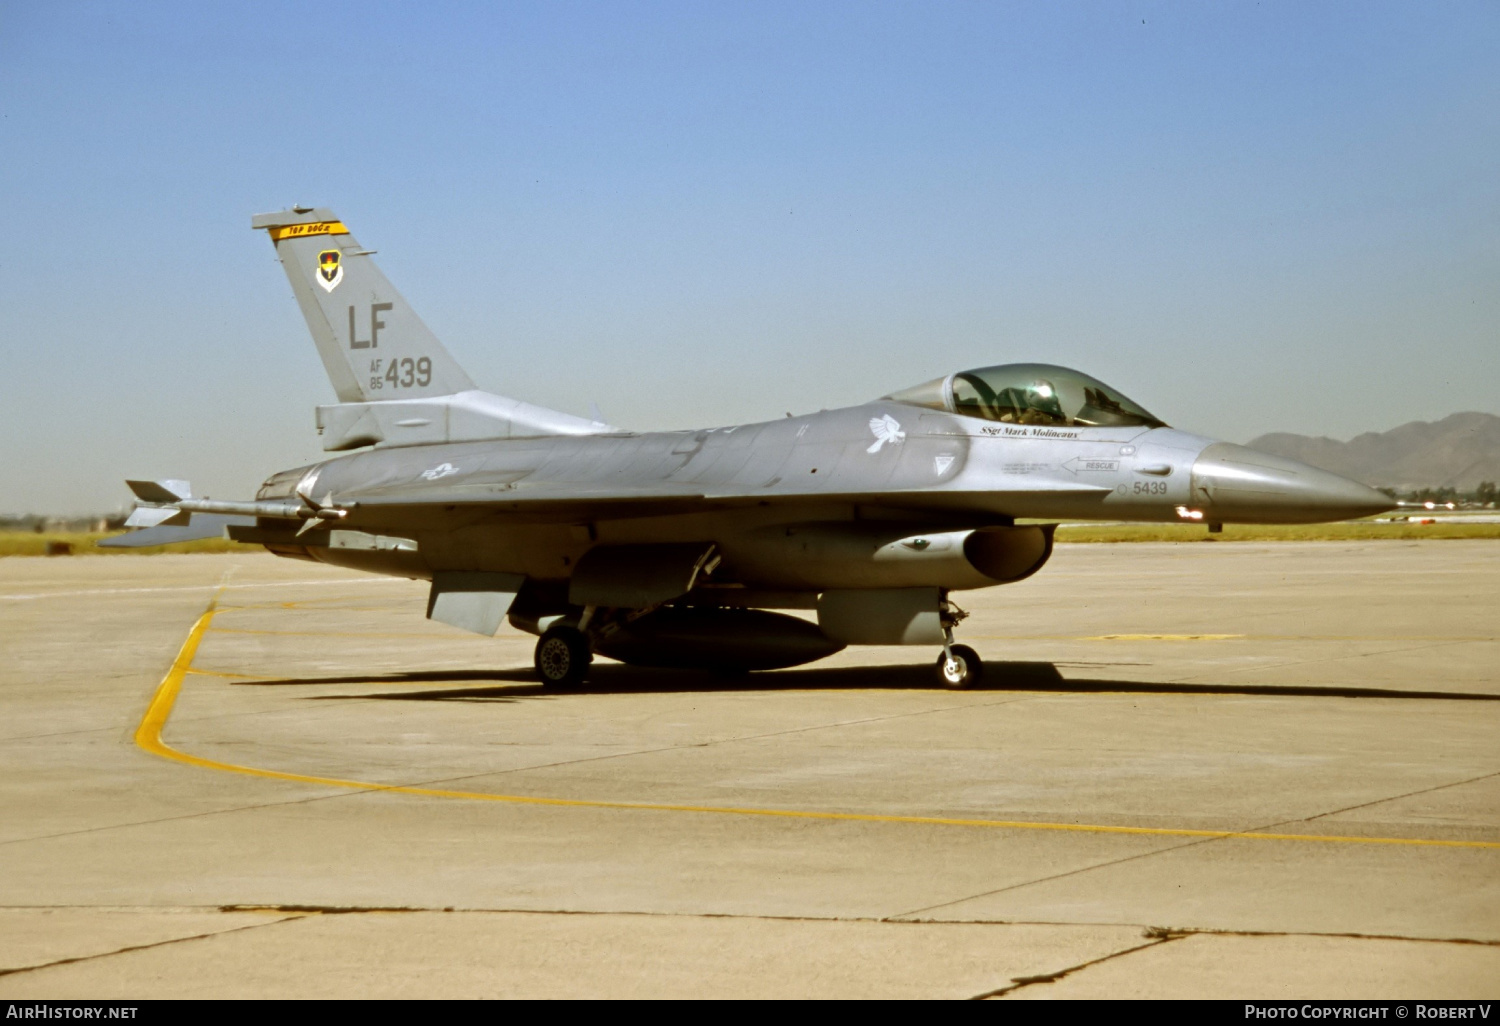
<point x="1041" y="395"/>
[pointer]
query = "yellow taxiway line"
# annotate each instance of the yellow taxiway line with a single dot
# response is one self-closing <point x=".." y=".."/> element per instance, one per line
<point x="148" y="737"/>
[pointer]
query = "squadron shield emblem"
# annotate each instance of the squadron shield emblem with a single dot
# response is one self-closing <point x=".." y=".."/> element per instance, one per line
<point x="330" y="269"/>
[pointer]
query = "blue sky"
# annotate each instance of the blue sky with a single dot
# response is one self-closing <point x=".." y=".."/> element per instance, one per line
<point x="1247" y="216"/>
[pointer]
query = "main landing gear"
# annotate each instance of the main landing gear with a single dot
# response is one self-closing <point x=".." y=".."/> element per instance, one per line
<point x="562" y="657"/>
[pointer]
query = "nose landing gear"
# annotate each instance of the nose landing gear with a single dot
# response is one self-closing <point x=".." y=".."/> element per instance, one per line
<point x="959" y="666"/>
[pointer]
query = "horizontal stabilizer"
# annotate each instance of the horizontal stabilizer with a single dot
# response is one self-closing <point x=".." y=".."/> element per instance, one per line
<point x="161" y="491"/>
<point x="471" y="416"/>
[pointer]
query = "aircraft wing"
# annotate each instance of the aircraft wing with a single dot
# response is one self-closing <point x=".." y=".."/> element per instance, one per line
<point x="405" y="506"/>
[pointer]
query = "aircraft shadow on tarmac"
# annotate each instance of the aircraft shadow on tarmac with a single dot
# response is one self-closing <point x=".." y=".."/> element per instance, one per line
<point x="998" y="676"/>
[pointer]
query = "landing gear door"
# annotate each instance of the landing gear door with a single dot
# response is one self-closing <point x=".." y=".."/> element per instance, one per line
<point x="472" y="601"/>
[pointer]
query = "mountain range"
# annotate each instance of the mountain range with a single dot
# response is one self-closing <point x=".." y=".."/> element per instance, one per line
<point x="1458" y="451"/>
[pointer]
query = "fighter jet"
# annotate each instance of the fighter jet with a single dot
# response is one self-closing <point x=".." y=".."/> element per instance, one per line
<point x="686" y="548"/>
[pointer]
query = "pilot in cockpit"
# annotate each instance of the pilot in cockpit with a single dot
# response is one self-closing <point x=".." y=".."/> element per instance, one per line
<point x="1029" y="393"/>
<point x="1032" y="403"/>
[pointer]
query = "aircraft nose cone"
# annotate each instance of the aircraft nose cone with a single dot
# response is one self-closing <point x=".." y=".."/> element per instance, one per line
<point x="1235" y="483"/>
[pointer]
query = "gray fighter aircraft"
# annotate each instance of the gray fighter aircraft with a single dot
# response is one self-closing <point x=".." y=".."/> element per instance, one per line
<point x="673" y="548"/>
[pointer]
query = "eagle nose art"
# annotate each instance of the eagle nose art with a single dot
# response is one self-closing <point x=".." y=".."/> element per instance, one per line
<point x="1237" y="483"/>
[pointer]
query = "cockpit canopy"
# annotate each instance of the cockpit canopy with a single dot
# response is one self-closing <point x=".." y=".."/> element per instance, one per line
<point x="1029" y="393"/>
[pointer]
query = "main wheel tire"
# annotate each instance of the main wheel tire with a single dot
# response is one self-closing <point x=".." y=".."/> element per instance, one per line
<point x="562" y="657"/>
<point x="963" y="671"/>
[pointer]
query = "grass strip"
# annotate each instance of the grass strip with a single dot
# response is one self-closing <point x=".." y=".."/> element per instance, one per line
<point x="79" y="543"/>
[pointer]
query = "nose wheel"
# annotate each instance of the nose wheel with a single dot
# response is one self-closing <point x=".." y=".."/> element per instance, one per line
<point x="562" y="657"/>
<point x="959" y="667"/>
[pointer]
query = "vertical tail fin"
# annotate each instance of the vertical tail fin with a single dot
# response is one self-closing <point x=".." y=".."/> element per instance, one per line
<point x="396" y="383"/>
<point x="373" y="344"/>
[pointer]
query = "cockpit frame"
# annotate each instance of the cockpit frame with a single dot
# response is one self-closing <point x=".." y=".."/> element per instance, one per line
<point x="1030" y="394"/>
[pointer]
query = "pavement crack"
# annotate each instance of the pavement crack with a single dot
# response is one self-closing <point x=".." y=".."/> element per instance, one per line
<point x="332" y="910"/>
<point x="1164" y="850"/>
<point x="145" y="947"/>
<point x="1189" y="844"/>
<point x="1346" y="935"/>
<point x="1156" y="937"/>
<point x="255" y="807"/>
<point x="1057" y="876"/>
<point x="1397" y="797"/>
